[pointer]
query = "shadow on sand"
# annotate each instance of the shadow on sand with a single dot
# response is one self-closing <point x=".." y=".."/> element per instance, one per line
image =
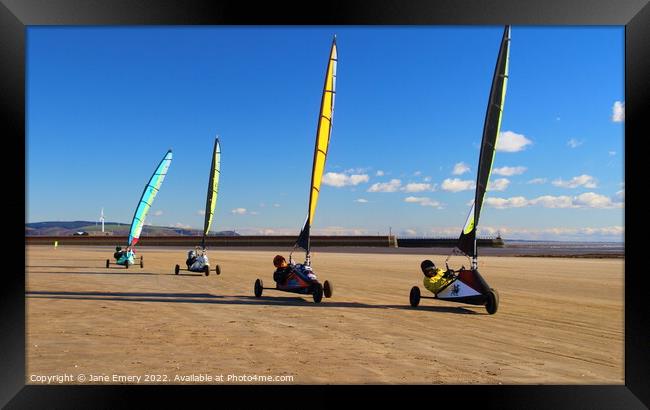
<point x="439" y="309"/>
<point x="123" y="294"/>
<point x="109" y="271"/>
<point x="66" y="267"/>
<point x="208" y="298"/>
<point x="112" y="270"/>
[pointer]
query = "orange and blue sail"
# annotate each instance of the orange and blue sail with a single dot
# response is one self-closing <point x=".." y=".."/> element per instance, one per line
<point x="491" y="127"/>
<point x="323" y="132"/>
<point x="148" y="195"/>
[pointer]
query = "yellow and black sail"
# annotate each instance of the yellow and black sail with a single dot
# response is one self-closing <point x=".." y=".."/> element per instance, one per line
<point x="467" y="240"/>
<point x="213" y="189"/>
<point x="323" y="132"/>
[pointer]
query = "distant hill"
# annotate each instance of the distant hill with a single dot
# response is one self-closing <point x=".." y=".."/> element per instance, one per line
<point x="67" y="228"/>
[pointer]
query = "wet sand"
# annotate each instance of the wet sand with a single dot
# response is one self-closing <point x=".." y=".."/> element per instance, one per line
<point x="560" y="321"/>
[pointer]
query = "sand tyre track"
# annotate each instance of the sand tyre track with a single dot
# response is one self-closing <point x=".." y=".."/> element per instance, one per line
<point x="414" y="296"/>
<point x="259" y="287"/>
<point x="328" y="289"/>
<point x="492" y="303"/>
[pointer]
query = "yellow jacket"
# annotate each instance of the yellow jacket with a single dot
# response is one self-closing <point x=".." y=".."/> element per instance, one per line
<point x="437" y="281"/>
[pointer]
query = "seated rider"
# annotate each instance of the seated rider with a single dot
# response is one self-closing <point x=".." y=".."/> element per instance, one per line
<point x="285" y="270"/>
<point x="191" y="258"/>
<point x="282" y="271"/>
<point x="118" y="252"/>
<point x="435" y="279"/>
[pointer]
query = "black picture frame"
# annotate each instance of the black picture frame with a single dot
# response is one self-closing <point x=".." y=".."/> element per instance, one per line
<point x="16" y="15"/>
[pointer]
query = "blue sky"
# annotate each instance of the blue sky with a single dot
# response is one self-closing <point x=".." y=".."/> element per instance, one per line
<point x="105" y="103"/>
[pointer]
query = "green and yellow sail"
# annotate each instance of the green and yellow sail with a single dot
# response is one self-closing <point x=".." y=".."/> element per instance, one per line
<point x="323" y="132"/>
<point x="213" y="189"/>
<point x="491" y="127"/>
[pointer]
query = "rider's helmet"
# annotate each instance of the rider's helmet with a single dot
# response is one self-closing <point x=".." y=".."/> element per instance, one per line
<point x="278" y="260"/>
<point x="428" y="268"/>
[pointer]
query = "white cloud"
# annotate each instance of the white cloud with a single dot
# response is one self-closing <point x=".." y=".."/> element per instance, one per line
<point x="423" y="201"/>
<point x="621" y="194"/>
<point x="457" y="185"/>
<point x="460" y="168"/>
<point x="380" y="173"/>
<point x="276" y="205"/>
<point x="157" y="213"/>
<point x="417" y="187"/>
<point x="446" y="231"/>
<point x="593" y="200"/>
<point x="340" y="230"/>
<point x="329" y="230"/>
<point x="586" y="200"/>
<point x="391" y="186"/>
<point x="584" y="180"/>
<point x="417" y="173"/>
<point x="611" y="153"/>
<point x="340" y="180"/>
<point x="267" y="231"/>
<point x="550" y="201"/>
<point x="607" y="230"/>
<point x="509" y="171"/>
<point x="618" y="111"/>
<point x="553" y="232"/>
<point x="427" y="179"/>
<point x="182" y="225"/>
<point x="574" y="143"/>
<point x="356" y="179"/>
<point x="361" y="201"/>
<point x="512" y="142"/>
<point x="537" y="181"/>
<point x="356" y="171"/>
<point x="201" y="212"/>
<point x="502" y="203"/>
<point x="239" y="211"/>
<point x="500" y="184"/>
<point x="411" y="232"/>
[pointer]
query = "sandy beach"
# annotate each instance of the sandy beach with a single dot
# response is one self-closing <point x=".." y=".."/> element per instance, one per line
<point x="560" y="321"/>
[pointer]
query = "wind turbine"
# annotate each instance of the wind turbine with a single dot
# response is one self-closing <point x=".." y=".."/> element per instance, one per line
<point x="101" y="219"/>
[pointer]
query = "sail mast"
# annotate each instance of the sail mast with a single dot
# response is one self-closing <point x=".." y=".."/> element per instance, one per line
<point x="323" y="132"/>
<point x="148" y="195"/>
<point x="213" y="189"/>
<point x="492" y="124"/>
